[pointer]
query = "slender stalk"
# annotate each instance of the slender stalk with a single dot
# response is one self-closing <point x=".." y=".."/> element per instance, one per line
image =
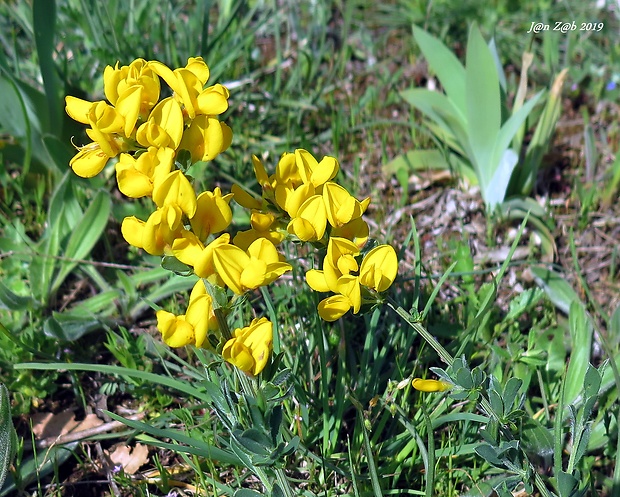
<point x="250" y="388"/>
<point x="423" y="332"/>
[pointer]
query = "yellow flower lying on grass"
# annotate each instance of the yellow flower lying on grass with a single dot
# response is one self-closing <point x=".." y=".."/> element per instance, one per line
<point x="250" y="347"/>
<point x="430" y="385"/>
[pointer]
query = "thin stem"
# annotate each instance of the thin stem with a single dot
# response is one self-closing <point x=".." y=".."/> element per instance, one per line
<point x="431" y="340"/>
<point x="250" y="388"/>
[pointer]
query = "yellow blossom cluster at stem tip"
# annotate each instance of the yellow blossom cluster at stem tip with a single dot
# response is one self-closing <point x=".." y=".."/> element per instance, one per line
<point x="155" y="139"/>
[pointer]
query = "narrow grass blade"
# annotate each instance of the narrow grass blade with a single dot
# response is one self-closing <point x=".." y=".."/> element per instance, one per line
<point x="191" y="445"/>
<point x="44" y="23"/>
<point x="372" y="466"/>
<point x="156" y="379"/>
<point x="557" y="289"/>
<point x="86" y="234"/>
<point x="539" y="144"/>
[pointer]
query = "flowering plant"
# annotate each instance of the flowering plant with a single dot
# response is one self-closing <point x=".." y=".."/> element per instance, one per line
<point x="151" y="137"/>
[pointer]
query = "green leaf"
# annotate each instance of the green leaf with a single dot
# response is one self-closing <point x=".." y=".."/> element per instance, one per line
<point x="444" y="63"/>
<point x="542" y="137"/>
<point x="488" y="454"/>
<point x="14" y="302"/>
<point x="483" y="107"/>
<point x="511" y="390"/>
<point x="68" y="327"/>
<point x="581" y="332"/>
<point x="557" y="289"/>
<point x="246" y="492"/>
<point x="7" y="437"/>
<point x="592" y="382"/>
<point x="536" y="438"/>
<point x="191" y="445"/>
<point x="276" y="491"/>
<point x="498" y="185"/>
<point x="44" y="23"/>
<point x="254" y="442"/>
<point x="566" y="484"/>
<point x="39" y="466"/>
<point x="86" y="234"/>
<point x="441" y="110"/>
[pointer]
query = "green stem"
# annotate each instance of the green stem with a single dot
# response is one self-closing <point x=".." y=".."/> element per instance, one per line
<point x="249" y="388"/>
<point x="483" y="404"/>
<point x="423" y="332"/>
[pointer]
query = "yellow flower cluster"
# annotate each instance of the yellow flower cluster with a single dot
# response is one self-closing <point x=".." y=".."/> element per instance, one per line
<point x="299" y="202"/>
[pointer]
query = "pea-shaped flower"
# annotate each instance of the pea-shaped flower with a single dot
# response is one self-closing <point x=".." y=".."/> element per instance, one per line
<point x="430" y="385"/>
<point x="250" y="347"/>
<point x="243" y="271"/>
<point x="190" y="328"/>
<point x="379" y="268"/>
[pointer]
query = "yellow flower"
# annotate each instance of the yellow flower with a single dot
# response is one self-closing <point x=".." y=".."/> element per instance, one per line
<point x="158" y="233"/>
<point x="343" y="276"/>
<point x="206" y="138"/>
<point x="310" y="220"/>
<point x="313" y="172"/>
<point x="164" y="127"/>
<point x="342" y="207"/>
<point x="250" y="347"/>
<point x="379" y="268"/>
<point x="192" y="327"/>
<point x="186" y="82"/>
<point x="262" y="227"/>
<point x="117" y="81"/>
<point x="191" y="251"/>
<point x="355" y="230"/>
<point x="136" y="177"/>
<point x="430" y="385"/>
<point x="175" y="189"/>
<point x="89" y="161"/>
<point x="247" y="270"/>
<point x="212" y="214"/>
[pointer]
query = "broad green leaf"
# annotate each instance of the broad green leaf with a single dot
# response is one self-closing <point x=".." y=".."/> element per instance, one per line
<point x="444" y="63"/>
<point x="68" y="328"/>
<point x="557" y="289"/>
<point x="511" y="127"/>
<point x="13" y="302"/>
<point x="498" y="186"/>
<point x="246" y="492"/>
<point x="581" y="332"/>
<point x="86" y="234"/>
<point x="440" y="109"/>
<point x="536" y="438"/>
<point x="483" y="106"/>
<point x="566" y="483"/>
<point x="489" y="454"/>
<point x="417" y="160"/>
